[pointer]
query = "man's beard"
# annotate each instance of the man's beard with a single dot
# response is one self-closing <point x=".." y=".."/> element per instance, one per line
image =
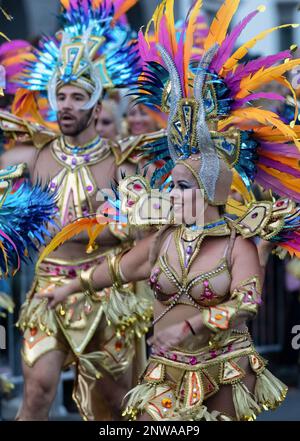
<point x="77" y="125"/>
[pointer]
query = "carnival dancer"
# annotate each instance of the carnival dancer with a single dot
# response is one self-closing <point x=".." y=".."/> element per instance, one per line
<point x="205" y="275"/>
<point x="75" y="67"/>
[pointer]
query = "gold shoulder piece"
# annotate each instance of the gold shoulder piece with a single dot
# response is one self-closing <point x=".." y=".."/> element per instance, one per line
<point x="144" y="206"/>
<point x="153" y="209"/>
<point x="12" y="172"/>
<point x="264" y="219"/>
<point x="254" y="220"/>
<point x="128" y="149"/>
<point x="24" y="131"/>
<point x="6" y="179"/>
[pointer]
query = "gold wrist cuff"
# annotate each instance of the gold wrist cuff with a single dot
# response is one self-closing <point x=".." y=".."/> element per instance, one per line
<point x="115" y="271"/>
<point x="86" y="280"/>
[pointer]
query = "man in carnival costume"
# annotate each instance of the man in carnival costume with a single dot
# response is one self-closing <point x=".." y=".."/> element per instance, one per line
<point x="206" y="278"/>
<point x="102" y="338"/>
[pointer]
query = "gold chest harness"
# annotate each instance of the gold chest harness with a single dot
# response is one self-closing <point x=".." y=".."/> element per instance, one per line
<point x="206" y="289"/>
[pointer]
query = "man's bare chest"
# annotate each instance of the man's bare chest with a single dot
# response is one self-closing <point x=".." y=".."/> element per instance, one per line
<point x="77" y="184"/>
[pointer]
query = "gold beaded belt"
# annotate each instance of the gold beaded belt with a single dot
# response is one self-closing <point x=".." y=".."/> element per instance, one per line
<point x="205" y="356"/>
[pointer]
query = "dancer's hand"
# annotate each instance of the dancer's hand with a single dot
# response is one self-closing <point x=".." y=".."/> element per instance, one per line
<point x="169" y="337"/>
<point x="54" y="294"/>
<point x="176" y="334"/>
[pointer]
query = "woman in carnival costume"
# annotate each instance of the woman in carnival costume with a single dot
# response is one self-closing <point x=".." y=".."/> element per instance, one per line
<point x="93" y="52"/>
<point x="205" y="272"/>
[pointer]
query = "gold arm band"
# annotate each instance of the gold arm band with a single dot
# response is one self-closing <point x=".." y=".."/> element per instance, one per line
<point x="243" y="303"/>
<point x="86" y="280"/>
<point x="115" y="270"/>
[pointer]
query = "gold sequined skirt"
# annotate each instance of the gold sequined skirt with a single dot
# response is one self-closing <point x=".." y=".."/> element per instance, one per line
<point x="177" y="384"/>
<point x="98" y="336"/>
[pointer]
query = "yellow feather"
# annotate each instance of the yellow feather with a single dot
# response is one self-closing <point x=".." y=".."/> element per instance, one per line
<point x="220" y="24"/>
<point x="254" y="81"/>
<point x="123" y="9"/>
<point x="286" y="179"/>
<point x="240" y="187"/>
<point x="96" y="3"/>
<point x="6" y="14"/>
<point x="235" y="207"/>
<point x="232" y="62"/>
<point x="271" y="134"/>
<point x="146" y="33"/>
<point x="71" y="230"/>
<point x="189" y="38"/>
<point x="155" y="19"/>
<point x="28" y="107"/>
<point x="93" y="234"/>
<point x="65" y="3"/>
<point x="242" y="124"/>
<point x="169" y="13"/>
<point x="222" y="124"/>
<point x="266" y="117"/>
<point x="4" y="36"/>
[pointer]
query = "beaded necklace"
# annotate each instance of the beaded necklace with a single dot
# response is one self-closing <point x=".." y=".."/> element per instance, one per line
<point x="193" y="236"/>
<point x="80" y="150"/>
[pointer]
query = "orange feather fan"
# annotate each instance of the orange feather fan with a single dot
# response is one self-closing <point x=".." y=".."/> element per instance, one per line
<point x="93" y="226"/>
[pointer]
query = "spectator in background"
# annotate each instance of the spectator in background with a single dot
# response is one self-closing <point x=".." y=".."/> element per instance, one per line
<point x="140" y="120"/>
<point x="109" y="122"/>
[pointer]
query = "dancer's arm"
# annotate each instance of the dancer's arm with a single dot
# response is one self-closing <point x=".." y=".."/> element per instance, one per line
<point x="264" y="249"/>
<point x="133" y="266"/>
<point x="245" y="290"/>
<point x="18" y="154"/>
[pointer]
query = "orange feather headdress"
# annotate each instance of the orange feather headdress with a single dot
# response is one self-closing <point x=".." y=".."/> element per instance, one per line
<point x="212" y="104"/>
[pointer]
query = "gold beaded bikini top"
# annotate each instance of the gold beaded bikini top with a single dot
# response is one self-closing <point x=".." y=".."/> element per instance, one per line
<point x="206" y="289"/>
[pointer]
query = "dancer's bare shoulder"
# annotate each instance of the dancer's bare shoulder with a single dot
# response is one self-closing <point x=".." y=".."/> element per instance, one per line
<point x="18" y="154"/>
